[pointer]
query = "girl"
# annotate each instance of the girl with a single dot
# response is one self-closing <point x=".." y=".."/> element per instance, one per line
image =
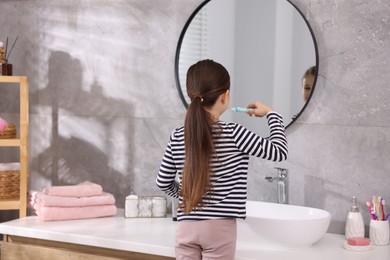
<point x="307" y="82"/>
<point x="211" y="160"/>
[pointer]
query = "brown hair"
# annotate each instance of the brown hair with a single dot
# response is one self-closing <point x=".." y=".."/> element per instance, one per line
<point x="206" y="81"/>
<point x="310" y="71"/>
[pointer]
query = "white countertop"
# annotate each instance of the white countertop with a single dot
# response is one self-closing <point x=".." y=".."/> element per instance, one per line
<point x="157" y="236"/>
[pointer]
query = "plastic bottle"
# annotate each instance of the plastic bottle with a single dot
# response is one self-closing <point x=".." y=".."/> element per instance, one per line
<point x="355" y="225"/>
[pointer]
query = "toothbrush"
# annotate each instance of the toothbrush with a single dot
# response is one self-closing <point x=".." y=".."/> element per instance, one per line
<point x="240" y="109"/>
<point x="383" y="208"/>
<point x="375" y="206"/>
<point x="379" y="207"/>
<point x="371" y="209"/>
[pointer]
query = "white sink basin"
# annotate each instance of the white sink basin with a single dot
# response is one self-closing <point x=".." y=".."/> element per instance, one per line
<point x="279" y="226"/>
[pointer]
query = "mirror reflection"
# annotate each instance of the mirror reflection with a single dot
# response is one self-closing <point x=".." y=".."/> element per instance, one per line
<point x="267" y="47"/>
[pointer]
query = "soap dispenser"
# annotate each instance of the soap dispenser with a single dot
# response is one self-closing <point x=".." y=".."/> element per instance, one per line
<point x="355" y="225"/>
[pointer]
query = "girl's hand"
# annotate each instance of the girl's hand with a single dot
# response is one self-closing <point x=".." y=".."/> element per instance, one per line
<point x="258" y="109"/>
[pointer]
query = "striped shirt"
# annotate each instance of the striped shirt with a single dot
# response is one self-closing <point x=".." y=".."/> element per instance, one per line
<point x="233" y="146"/>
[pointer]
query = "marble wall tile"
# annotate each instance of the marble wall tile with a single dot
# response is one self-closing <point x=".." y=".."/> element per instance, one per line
<point x="334" y="163"/>
<point x="354" y="57"/>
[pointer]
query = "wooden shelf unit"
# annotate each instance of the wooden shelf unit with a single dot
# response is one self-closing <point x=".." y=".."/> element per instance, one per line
<point x="22" y="142"/>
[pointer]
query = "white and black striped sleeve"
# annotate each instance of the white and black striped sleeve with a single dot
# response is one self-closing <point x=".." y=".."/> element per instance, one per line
<point x="274" y="148"/>
<point x="166" y="177"/>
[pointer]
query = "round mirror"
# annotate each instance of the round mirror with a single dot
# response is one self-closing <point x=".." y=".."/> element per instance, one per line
<point x="267" y="46"/>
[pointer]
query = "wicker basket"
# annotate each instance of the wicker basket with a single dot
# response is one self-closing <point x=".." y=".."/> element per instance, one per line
<point x="9" y="184"/>
<point x="9" y="132"/>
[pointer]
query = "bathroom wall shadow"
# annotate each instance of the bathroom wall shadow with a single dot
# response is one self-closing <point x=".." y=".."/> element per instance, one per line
<point x="316" y="191"/>
<point x="316" y="194"/>
<point x="86" y="129"/>
<point x="74" y="160"/>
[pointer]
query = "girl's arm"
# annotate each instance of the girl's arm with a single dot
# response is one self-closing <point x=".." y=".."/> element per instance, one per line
<point x="274" y="148"/>
<point x="166" y="177"/>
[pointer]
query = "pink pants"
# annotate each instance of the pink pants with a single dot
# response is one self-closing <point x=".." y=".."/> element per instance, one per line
<point x="206" y="239"/>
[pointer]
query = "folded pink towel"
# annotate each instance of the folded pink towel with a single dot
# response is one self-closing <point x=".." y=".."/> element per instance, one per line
<point x="69" y="213"/>
<point x="60" y="201"/>
<point x="32" y="198"/>
<point x="85" y="189"/>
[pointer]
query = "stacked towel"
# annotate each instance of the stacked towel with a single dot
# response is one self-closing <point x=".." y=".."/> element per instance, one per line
<point x="85" y="200"/>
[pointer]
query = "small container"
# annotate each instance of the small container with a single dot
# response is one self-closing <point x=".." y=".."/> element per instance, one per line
<point x="159" y="208"/>
<point x="355" y="225"/>
<point x="145" y="205"/>
<point x="131" y="206"/>
<point x="6" y="69"/>
<point x="379" y="232"/>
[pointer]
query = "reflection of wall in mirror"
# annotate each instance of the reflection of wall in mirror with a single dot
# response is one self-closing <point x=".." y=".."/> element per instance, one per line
<point x="222" y="40"/>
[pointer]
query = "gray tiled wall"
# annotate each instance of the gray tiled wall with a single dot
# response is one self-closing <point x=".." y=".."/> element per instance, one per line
<point x="103" y="98"/>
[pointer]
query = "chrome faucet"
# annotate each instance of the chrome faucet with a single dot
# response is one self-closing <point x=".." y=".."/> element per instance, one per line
<point x="282" y="182"/>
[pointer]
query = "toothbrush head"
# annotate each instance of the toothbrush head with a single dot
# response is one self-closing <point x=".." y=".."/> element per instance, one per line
<point x="240" y="109"/>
